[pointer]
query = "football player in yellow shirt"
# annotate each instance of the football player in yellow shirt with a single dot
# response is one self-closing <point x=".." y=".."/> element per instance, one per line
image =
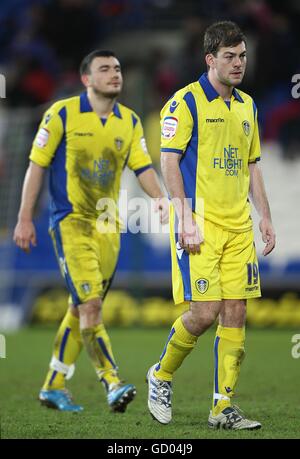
<point x="209" y="156"/>
<point x="86" y="141"/>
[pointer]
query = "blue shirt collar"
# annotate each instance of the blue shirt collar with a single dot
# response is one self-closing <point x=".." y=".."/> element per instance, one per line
<point x="85" y="106"/>
<point x="116" y="110"/>
<point x="210" y="91"/>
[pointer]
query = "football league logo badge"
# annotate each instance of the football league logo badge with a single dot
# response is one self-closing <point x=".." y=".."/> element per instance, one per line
<point x="246" y="127"/>
<point x="202" y="285"/>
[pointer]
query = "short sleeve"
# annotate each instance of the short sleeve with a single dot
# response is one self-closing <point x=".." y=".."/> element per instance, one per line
<point x="48" y="136"/>
<point x="139" y="159"/>
<point x="176" y="126"/>
<point x="255" y="151"/>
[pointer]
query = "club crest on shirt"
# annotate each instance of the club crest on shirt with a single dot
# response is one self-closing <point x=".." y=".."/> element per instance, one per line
<point x="86" y="287"/>
<point x="119" y="143"/>
<point x="202" y="285"/>
<point x="246" y="127"/>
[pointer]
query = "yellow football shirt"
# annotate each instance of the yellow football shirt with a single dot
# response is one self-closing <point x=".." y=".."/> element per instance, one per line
<point x="87" y="155"/>
<point x="217" y="141"/>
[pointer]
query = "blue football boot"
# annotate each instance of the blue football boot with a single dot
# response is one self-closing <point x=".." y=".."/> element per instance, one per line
<point x="119" y="395"/>
<point x="58" y="399"/>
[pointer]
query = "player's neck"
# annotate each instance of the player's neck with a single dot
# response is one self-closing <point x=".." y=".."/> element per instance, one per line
<point x="222" y="89"/>
<point x="103" y="106"/>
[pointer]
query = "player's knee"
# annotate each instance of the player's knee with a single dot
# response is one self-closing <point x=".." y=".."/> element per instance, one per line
<point x="200" y="319"/>
<point x="74" y="310"/>
<point x="233" y="314"/>
<point x="90" y="312"/>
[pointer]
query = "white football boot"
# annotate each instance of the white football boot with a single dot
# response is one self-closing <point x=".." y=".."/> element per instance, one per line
<point x="159" y="397"/>
<point x="232" y="418"/>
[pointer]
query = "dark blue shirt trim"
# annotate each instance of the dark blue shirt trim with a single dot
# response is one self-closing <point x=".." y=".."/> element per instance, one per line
<point x="142" y="169"/>
<point x="171" y="150"/>
<point x="254" y="109"/>
<point x="63" y="114"/>
<point x="210" y="91"/>
<point x="188" y="162"/>
<point x="86" y="107"/>
<point x="134" y="120"/>
<point x="255" y="161"/>
<point x="116" y="110"/>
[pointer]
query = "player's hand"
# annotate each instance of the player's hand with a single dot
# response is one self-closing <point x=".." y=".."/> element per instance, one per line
<point x="162" y="206"/>
<point x="24" y="235"/>
<point x="189" y="235"/>
<point x="268" y="235"/>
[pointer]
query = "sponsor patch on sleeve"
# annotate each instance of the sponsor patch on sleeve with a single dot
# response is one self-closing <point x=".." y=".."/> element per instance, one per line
<point x="42" y="138"/>
<point x="169" y="128"/>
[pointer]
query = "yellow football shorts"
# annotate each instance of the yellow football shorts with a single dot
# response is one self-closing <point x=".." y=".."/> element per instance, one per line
<point x="87" y="258"/>
<point x="226" y="268"/>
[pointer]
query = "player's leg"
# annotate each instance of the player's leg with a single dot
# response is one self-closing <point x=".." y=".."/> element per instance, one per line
<point x="181" y="341"/>
<point x="118" y="393"/>
<point x="183" y="336"/>
<point x="228" y="352"/>
<point x="239" y="255"/>
<point x="67" y="347"/>
<point x="98" y="346"/>
<point x="196" y="278"/>
<point x="77" y="249"/>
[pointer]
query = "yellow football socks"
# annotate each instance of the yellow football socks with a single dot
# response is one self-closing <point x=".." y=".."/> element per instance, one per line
<point x="67" y="346"/>
<point x="179" y="344"/>
<point x="229" y="352"/>
<point x="98" y="346"/>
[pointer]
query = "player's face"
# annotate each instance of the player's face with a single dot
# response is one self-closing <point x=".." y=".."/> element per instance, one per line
<point x="105" y="76"/>
<point x="230" y="64"/>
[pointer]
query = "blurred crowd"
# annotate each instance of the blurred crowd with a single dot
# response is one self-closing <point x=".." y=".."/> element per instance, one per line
<point x="43" y="41"/>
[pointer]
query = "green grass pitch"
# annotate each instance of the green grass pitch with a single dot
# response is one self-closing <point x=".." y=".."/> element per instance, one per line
<point x="268" y="389"/>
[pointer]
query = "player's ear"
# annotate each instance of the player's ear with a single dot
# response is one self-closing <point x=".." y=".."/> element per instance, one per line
<point x="210" y="61"/>
<point x="85" y="80"/>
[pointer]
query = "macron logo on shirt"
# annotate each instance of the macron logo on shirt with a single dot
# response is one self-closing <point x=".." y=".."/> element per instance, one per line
<point x="215" y="120"/>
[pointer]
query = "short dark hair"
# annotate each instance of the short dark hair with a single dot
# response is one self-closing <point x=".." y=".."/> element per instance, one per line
<point x="223" y="33"/>
<point x="85" y="66"/>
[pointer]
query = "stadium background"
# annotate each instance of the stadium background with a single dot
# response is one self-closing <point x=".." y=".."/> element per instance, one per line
<point x="159" y="44"/>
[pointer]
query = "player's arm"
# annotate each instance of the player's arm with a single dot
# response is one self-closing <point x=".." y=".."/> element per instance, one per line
<point x="177" y="125"/>
<point x="259" y="198"/>
<point x="257" y="191"/>
<point x="140" y="162"/>
<point x="43" y="150"/>
<point x="24" y="233"/>
<point x="150" y="183"/>
<point x="189" y="235"/>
